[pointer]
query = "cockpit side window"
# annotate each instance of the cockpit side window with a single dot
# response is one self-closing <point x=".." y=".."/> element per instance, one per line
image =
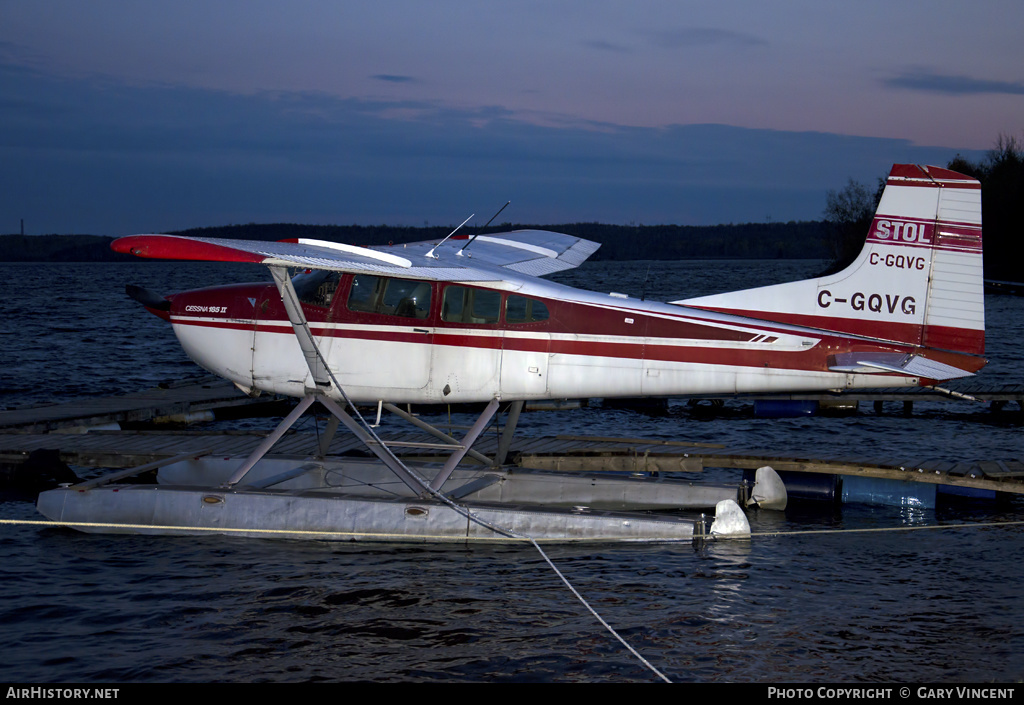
<point x="365" y="293"/>
<point x="519" y="309"/>
<point x="405" y="298"/>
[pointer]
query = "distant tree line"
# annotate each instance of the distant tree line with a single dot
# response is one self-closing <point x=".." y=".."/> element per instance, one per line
<point x="792" y="240"/>
<point x="1001" y="174"/>
<point x="59" y="248"/>
<point x="848" y="215"/>
<point x="849" y="211"/>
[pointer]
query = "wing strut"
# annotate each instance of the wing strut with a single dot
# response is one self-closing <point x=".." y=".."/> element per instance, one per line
<point x="301" y="327"/>
<point x="323" y="379"/>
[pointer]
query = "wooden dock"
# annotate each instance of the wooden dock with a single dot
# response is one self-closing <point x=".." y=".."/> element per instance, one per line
<point x="184" y="401"/>
<point x="25" y="430"/>
<point x="197" y="399"/>
<point x="117" y="449"/>
<point x="983" y="392"/>
<point x="998" y="397"/>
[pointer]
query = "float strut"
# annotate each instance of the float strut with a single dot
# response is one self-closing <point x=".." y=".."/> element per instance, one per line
<point x="467" y="441"/>
<point x="268" y="442"/>
<point x="505" y="442"/>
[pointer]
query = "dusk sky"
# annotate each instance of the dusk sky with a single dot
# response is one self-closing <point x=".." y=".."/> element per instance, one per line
<point x="119" y="117"/>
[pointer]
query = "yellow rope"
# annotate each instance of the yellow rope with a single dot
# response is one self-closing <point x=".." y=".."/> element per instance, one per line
<point x="405" y="537"/>
<point x="220" y="529"/>
<point x="437" y="537"/>
<point x="770" y="534"/>
<point x="309" y="533"/>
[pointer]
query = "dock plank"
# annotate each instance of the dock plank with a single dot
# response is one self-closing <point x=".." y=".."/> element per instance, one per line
<point x="200" y="395"/>
<point x="133" y="448"/>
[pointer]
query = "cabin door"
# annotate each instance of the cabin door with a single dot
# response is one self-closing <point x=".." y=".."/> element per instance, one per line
<point x="525" y="349"/>
<point x="384" y="330"/>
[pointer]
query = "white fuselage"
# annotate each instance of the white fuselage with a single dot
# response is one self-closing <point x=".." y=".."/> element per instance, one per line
<point x="590" y="345"/>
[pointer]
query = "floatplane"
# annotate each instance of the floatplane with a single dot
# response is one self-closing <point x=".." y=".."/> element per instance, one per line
<point x="469" y="319"/>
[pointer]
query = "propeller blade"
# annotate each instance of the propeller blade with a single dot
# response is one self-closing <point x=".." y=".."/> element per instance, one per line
<point x="149" y="299"/>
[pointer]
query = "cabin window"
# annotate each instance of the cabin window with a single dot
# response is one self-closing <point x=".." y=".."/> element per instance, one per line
<point x="316" y="287"/>
<point x="406" y="298"/>
<point x="464" y="305"/>
<point x="519" y="309"/>
<point x="391" y="297"/>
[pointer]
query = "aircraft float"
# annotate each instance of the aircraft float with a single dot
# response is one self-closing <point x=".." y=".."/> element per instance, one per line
<point x="469" y="319"/>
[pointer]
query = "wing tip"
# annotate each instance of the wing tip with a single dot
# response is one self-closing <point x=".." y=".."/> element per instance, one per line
<point x="182" y="248"/>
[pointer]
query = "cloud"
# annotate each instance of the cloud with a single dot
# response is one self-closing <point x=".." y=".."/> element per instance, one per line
<point x="393" y="78"/>
<point x="85" y="155"/>
<point x="952" y="85"/>
<point x="690" y="37"/>
<point x="602" y="45"/>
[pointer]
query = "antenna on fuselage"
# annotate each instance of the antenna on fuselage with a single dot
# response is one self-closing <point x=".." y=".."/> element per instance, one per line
<point x="459" y="253"/>
<point x="643" y="287"/>
<point x="431" y="253"/>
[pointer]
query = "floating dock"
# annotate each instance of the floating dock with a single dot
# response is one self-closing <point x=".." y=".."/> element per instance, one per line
<point x="180" y="402"/>
<point x="117" y="449"/>
<point x="61" y="428"/>
<point x="204" y="398"/>
<point x="998" y="397"/>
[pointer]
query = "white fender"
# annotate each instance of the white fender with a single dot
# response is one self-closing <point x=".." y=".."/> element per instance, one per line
<point x="729" y="520"/>
<point x="769" y="490"/>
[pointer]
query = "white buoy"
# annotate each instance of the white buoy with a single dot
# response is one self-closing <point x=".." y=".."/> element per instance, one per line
<point x="769" y="490"/>
<point x="729" y="520"/>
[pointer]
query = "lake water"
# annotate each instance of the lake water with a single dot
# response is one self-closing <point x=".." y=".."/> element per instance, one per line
<point x="916" y="596"/>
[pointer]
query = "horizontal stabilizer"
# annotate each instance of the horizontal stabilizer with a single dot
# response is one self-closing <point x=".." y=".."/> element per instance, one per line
<point x="907" y="365"/>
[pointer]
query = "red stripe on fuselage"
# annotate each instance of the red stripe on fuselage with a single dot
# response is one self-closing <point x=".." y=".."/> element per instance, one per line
<point x="699" y="352"/>
<point x="964" y="340"/>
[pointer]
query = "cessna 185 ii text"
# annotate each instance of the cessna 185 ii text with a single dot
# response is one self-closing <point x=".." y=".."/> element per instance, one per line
<point x="469" y="319"/>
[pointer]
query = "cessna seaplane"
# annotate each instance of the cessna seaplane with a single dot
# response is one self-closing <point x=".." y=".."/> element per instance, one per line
<point x="469" y="319"/>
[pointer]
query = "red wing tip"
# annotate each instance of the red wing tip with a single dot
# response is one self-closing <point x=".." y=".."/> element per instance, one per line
<point x="181" y="248"/>
<point x="125" y="245"/>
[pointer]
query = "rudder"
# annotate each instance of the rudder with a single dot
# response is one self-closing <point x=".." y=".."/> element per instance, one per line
<point x="918" y="279"/>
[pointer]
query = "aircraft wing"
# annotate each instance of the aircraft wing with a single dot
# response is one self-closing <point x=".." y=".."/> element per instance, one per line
<point x="487" y="258"/>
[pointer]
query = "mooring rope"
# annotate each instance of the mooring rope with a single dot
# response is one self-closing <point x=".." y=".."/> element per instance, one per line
<point x="508" y="535"/>
<point x="599" y="618"/>
<point x="505" y="534"/>
<point x="877" y="529"/>
<point x="443" y="498"/>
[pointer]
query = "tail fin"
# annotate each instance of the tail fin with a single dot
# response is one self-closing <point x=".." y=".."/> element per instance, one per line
<point x="917" y="281"/>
